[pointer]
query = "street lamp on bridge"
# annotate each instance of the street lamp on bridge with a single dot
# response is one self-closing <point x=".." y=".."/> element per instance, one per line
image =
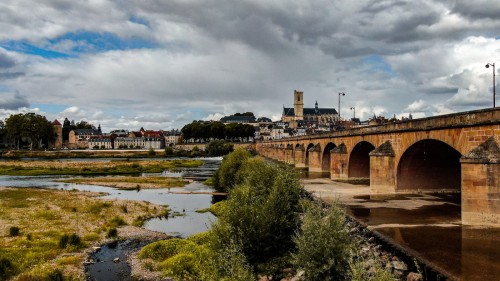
<point x="487" y="66"/>
<point x="340" y="94"/>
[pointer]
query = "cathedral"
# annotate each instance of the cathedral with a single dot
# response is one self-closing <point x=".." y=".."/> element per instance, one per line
<point x="298" y="116"/>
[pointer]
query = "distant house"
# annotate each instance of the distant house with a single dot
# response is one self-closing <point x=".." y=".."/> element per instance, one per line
<point x="172" y="137"/>
<point x="140" y="143"/>
<point x="79" y="138"/>
<point x="103" y="142"/>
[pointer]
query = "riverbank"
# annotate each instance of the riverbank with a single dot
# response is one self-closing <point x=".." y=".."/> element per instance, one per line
<point x="74" y="167"/>
<point x="46" y="232"/>
<point x="130" y="183"/>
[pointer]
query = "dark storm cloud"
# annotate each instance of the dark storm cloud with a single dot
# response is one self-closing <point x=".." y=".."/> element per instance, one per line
<point x="6" y="61"/>
<point x="477" y="10"/>
<point x="13" y="103"/>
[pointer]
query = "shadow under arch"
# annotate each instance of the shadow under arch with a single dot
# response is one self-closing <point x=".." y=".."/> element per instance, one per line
<point x="359" y="160"/>
<point x="325" y="159"/>
<point x="429" y="164"/>
<point x="307" y="153"/>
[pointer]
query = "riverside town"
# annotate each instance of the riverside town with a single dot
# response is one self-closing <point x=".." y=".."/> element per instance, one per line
<point x="249" y="141"/>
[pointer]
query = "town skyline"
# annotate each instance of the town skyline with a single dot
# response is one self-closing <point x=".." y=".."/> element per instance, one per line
<point x="162" y="65"/>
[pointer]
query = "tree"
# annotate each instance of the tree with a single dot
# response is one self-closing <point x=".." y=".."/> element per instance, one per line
<point x="218" y="148"/>
<point x="84" y="125"/>
<point x="34" y="128"/>
<point x="66" y="128"/>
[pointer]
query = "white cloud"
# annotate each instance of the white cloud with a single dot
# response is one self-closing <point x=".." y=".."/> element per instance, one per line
<point x="216" y="58"/>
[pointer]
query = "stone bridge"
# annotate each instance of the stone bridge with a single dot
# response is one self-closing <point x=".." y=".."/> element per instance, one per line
<point x="448" y="153"/>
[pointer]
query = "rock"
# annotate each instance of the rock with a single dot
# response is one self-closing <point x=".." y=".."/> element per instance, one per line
<point x="354" y="230"/>
<point x="116" y="260"/>
<point x="371" y="240"/>
<point x="96" y="249"/>
<point x="412" y="276"/>
<point x="398" y="265"/>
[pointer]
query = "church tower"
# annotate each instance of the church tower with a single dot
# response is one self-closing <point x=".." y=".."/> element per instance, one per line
<point x="298" y="105"/>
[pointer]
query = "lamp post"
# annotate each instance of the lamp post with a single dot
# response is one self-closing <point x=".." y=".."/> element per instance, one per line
<point x="340" y="94"/>
<point x="494" y="93"/>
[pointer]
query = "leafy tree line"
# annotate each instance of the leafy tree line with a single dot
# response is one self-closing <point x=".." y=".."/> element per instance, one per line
<point x="29" y="129"/>
<point x="34" y="130"/>
<point x="217" y="130"/>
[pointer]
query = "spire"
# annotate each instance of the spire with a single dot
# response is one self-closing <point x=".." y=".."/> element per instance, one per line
<point x="316" y="105"/>
<point x="99" y="128"/>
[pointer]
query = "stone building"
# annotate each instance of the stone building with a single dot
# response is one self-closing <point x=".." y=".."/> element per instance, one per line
<point x="79" y="138"/>
<point x="58" y="141"/>
<point x="298" y="116"/>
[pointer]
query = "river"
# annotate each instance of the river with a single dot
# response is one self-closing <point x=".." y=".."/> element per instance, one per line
<point x="427" y="225"/>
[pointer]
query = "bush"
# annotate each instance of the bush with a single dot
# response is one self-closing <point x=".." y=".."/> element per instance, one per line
<point x="112" y="233"/>
<point x="169" y="151"/>
<point x="218" y="148"/>
<point x="181" y="266"/>
<point x="324" y="246"/>
<point x="151" y="152"/>
<point x="6" y="269"/>
<point x="165" y="249"/>
<point x="225" y="176"/>
<point x="73" y="240"/>
<point x="262" y="213"/>
<point x="13" y="231"/>
<point x="116" y="221"/>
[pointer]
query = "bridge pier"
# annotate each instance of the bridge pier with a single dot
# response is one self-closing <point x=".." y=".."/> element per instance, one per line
<point x="481" y="185"/>
<point x="338" y="162"/>
<point x="299" y="158"/>
<point x="289" y="155"/>
<point x="315" y="165"/>
<point x="383" y="170"/>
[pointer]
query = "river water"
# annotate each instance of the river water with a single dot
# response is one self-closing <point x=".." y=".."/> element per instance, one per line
<point x="427" y="225"/>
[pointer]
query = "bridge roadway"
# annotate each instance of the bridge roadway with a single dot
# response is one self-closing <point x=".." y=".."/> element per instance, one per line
<point x="449" y="153"/>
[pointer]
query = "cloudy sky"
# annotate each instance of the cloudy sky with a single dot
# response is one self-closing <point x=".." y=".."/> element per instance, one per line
<point x="160" y="64"/>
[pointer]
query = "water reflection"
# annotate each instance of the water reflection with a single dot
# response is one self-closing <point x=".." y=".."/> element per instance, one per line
<point x="431" y="226"/>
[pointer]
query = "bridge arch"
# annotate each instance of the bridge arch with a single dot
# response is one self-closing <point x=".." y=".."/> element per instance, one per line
<point x="359" y="160"/>
<point x="429" y="164"/>
<point x="309" y="146"/>
<point x="325" y="159"/>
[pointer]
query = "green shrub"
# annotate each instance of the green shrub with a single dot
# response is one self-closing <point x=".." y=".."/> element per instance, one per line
<point x="13" y="231"/>
<point x="181" y="266"/>
<point x="169" y="151"/>
<point x="225" y="176"/>
<point x="165" y="249"/>
<point x="324" y="246"/>
<point x="112" y="233"/>
<point x="116" y="221"/>
<point x="6" y="269"/>
<point x="151" y="152"/>
<point x="218" y="148"/>
<point x="262" y="213"/>
<point x="73" y="240"/>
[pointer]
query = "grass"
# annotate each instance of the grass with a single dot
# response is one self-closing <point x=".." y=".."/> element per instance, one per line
<point x="48" y="167"/>
<point x="55" y="227"/>
<point x="131" y="183"/>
